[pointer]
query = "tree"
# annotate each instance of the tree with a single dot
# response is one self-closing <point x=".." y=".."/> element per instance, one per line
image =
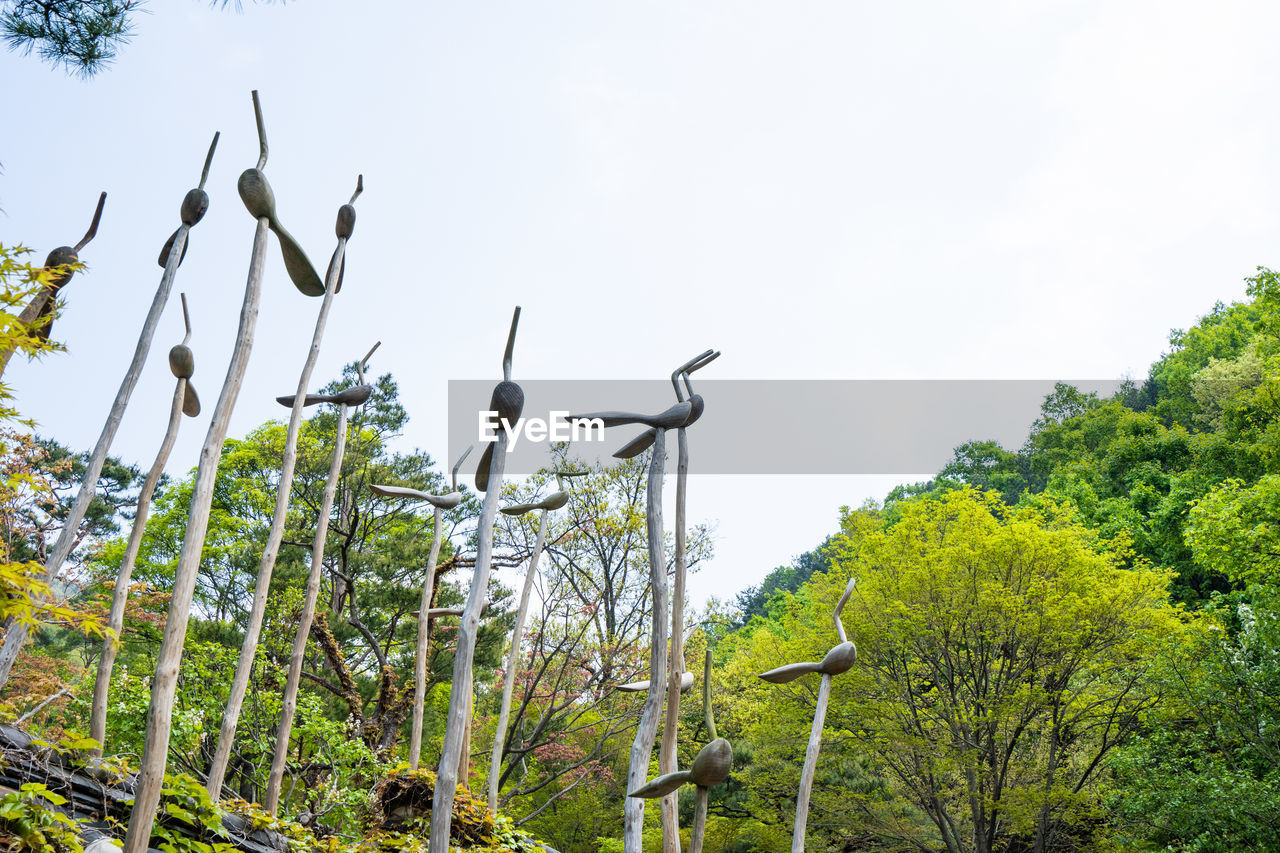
<point x="1003" y="656"/>
<point x="82" y="36"/>
<point x="1205" y="775"/>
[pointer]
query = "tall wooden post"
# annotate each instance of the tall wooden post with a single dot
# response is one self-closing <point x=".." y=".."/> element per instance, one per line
<point x="182" y="363"/>
<point x="647" y="730"/>
<point x="508" y="402"/>
<point x="289" y="705"/>
<point x="249" y="647"/>
<point x="163" y="685"/>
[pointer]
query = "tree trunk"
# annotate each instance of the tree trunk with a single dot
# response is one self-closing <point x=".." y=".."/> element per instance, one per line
<point x="308" y="614"/>
<point x="160" y="713"/>
<point x="460" y="690"/>
<point x="17" y="635"/>
<point x="424" y="641"/>
<point x="120" y="595"/>
<point x="248" y="648"/>
<point x="642" y="747"/>
<point x="513" y="661"/>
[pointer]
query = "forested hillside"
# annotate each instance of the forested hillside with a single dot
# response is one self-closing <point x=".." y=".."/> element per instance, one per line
<point x="1069" y="645"/>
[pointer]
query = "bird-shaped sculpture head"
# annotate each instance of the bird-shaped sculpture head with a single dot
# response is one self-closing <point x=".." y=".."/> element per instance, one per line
<point x="182" y="363"/>
<point x="507" y="401"/>
<point x="840" y="659"/>
<point x="194" y="205"/>
<point x="695" y="404"/>
<point x="61" y="257"/>
<point x="713" y="762"/>
<point x="553" y="501"/>
<point x="448" y="500"/>
<point x="255" y="191"/>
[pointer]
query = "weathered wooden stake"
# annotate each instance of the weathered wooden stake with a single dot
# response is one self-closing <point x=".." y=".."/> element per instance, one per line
<point x="182" y="366"/>
<point x="838" y="660"/>
<point x="290" y="704"/>
<point x="508" y="401"/>
<point x="667" y="753"/>
<point x="810" y="765"/>
<point x="248" y="648"/>
<point x="642" y="746"/>
<point x="164" y="683"/>
<point x="439" y="503"/>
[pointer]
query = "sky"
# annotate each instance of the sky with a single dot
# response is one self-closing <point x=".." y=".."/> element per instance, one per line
<point x="820" y="190"/>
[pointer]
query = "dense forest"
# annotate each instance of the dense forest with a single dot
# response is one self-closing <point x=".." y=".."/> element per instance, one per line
<point x="1071" y="645"/>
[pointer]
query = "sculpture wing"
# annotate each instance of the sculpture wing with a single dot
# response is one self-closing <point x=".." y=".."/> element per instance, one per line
<point x="482" y="470"/>
<point x="447" y="501"/>
<point x="790" y="672"/>
<point x="634" y="687"/>
<point x="612" y="419"/>
<point x="342" y="270"/>
<point x="190" y="401"/>
<point x="519" y="509"/>
<point x="398" y="492"/>
<point x="309" y="400"/>
<point x="637" y="445"/>
<point x="168" y="247"/>
<point x="663" y="785"/>
<point x="301" y="273"/>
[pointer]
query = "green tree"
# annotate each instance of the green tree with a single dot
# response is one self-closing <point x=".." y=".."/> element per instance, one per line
<point x="1003" y="655"/>
<point x="81" y="36"/>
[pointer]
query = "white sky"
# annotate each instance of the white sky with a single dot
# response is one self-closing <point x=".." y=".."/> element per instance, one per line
<point x="819" y="190"/>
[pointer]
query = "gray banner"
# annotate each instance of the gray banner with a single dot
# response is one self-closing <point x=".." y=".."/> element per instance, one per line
<point x="774" y="426"/>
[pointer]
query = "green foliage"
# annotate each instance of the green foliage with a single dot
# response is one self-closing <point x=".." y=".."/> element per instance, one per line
<point x="19" y="283"/>
<point x="31" y="820"/>
<point x="993" y="643"/>
<point x="1205" y="777"/>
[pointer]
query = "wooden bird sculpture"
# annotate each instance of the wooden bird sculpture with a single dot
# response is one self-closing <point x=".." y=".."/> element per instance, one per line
<point x="710" y="767"/>
<point x="255" y="191"/>
<point x="37" y="313"/>
<point x="697" y="405"/>
<point x="838" y="660"/>
<point x="439" y="504"/>
<point x="508" y="401"/>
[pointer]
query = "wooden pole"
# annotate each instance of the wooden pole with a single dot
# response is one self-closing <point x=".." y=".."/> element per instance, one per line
<point x="424" y="640"/>
<point x="163" y="685"/>
<point x="248" y="648"/>
<point x="699" y="820"/>
<point x="67" y="539"/>
<point x="667" y="756"/>
<point x="460" y="691"/>
<point x="120" y="595"/>
<point x="810" y="765"/>
<point x="290" y="704"/>
<point x="642" y="747"/>
<point x="458" y="719"/>
<point x="513" y="661"/>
